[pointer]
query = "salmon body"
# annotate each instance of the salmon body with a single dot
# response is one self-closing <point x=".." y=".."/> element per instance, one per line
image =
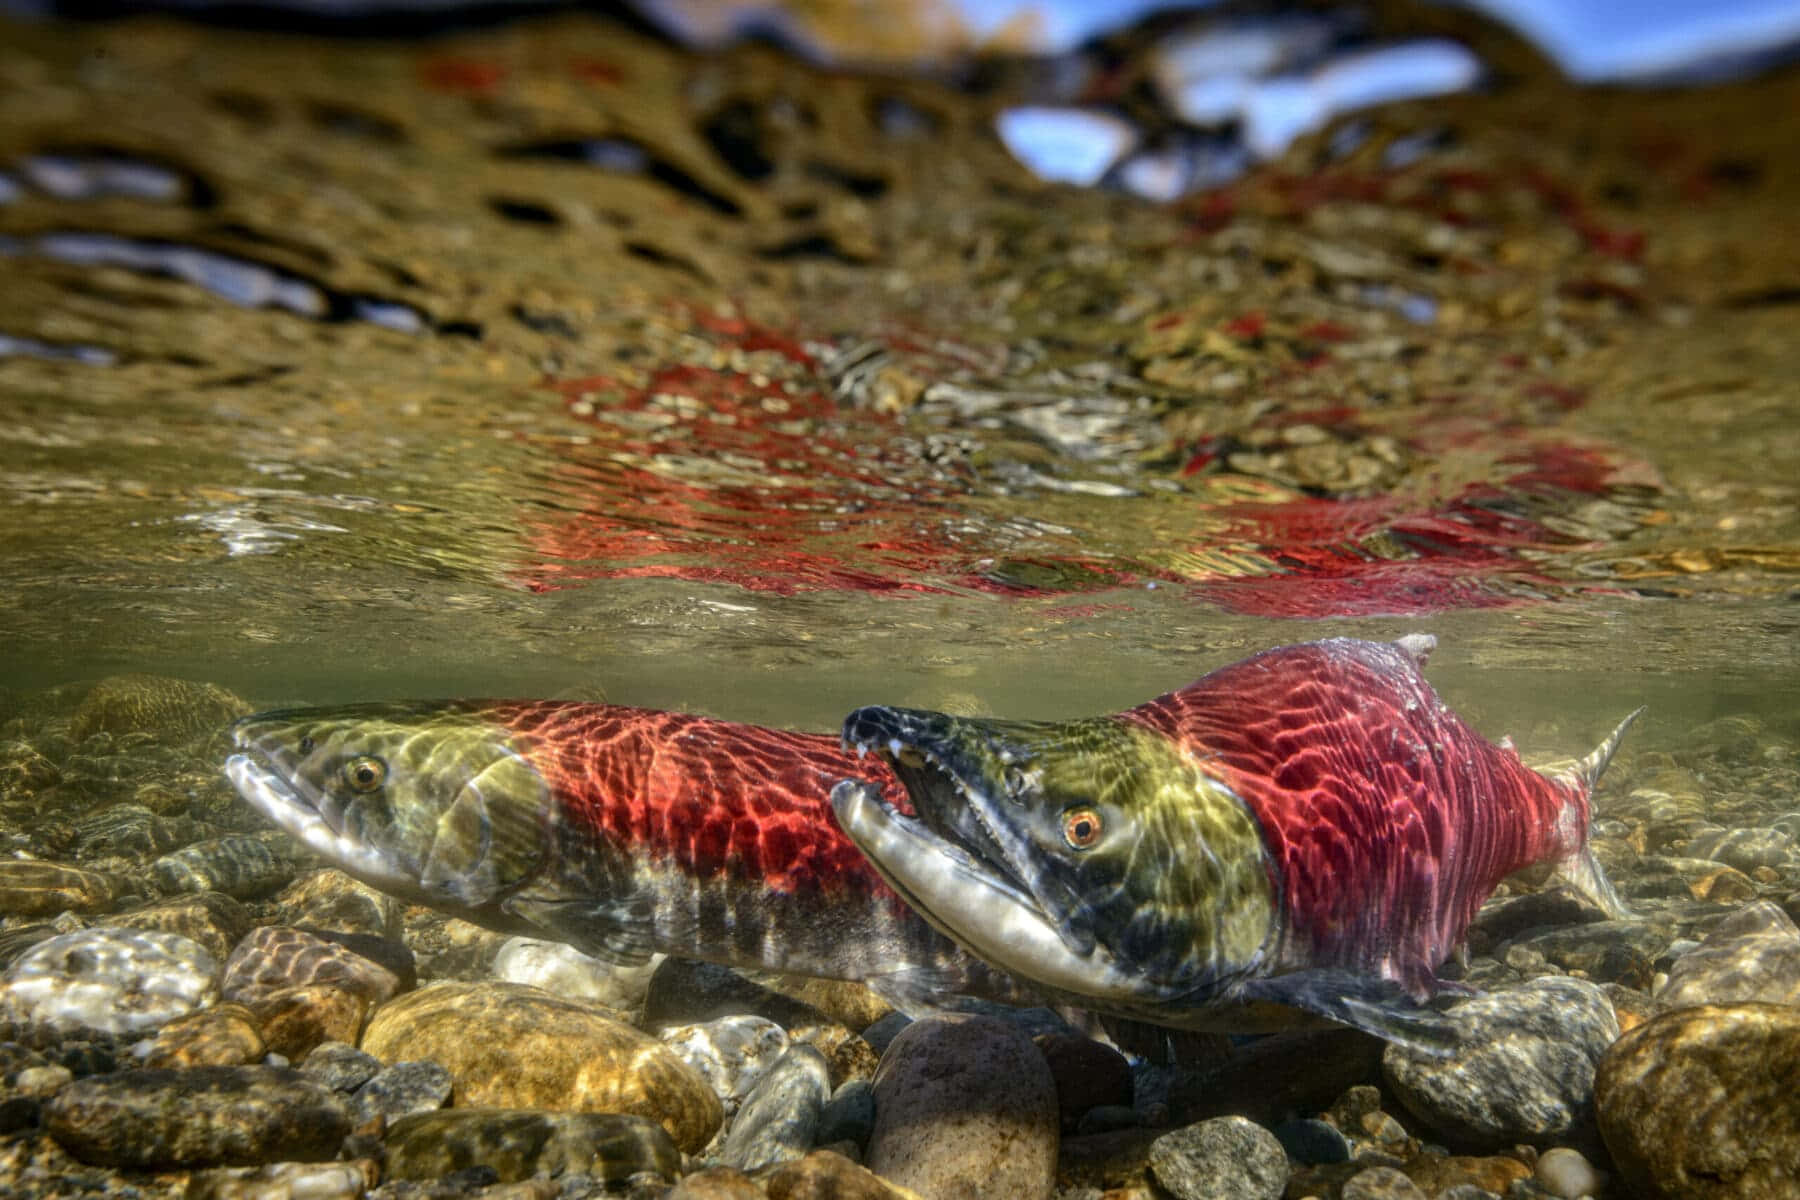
<point x="621" y="831"/>
<point x="1312" y="827"/>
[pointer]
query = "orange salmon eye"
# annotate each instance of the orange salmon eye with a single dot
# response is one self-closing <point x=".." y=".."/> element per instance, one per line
<point x="365" y="773"/>
<point x="1081" y="828"/>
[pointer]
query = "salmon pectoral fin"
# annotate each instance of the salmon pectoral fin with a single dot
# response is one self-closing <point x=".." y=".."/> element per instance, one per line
<point x="1366" y="1002"/>
<point x="618" y="931"/>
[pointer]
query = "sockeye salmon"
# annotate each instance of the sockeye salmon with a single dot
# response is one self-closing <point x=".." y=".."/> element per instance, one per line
<point x="1311" y="828"/>
<point x="620" y="831"/>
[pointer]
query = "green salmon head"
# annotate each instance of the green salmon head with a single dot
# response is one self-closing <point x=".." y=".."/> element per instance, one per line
<point x="1094" y="856"/>
<point x="430" y="801"/>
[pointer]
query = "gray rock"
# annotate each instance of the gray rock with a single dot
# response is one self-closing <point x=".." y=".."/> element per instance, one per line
<point x="519" y="1143"/>
<point x="780" y="1117"/>
<point x="849" y="1116"/>
<point x="882" y="1033"/>
<point x="965" y="1106"/>
<point x="1106" y="1118"/>
<point x="1313" y="1142"/>
<point x="1226" y="1158"/>
<point x="401" y="1090"/>
<point x="1522" y="1070"/>
<point x="108" y="980"/>
<point x="1603" y="949"/>
<point x="1380" y="1183"/>
<point x="1753" y="955"/>
<point x="731" y="1053"/>
<point x="340" y="1066"/>
<point x="1745" y="849"/>
<point x="199" y="1117"/>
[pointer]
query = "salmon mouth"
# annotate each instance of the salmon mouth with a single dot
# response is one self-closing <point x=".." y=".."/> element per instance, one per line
<point x="261" y="776"/>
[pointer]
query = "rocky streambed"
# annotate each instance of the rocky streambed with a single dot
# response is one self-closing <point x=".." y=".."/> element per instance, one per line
<point x="192" y="1008"/>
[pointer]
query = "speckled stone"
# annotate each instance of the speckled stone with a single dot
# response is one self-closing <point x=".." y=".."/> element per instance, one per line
<point x="848" y="1055"/>
<point x="1522" y="1069"/>
<point x="226" y="1035"/>
<point x="275" y="958"/>
<point x="1435" y="1173"/>
<point x="401" y="1090"/>
<point x="1381" y="1183"/>
<point x="108" y="980"/>
<point x="965" y="1106"/>
<point x="205" y="1116"/>
<point x="1752" y="956"/>
<point x="827" y="1175"/>
<point x="731" y="1053"/>
<point x="35" y="888"/>
<point x="330" y="899"/>
<point x="1087" y="1073"/>
<point x="340" y="1066"/>
<point x="1700" y="1104"/>
<point x="1226" y="1158"/>
<point x="213" y="919"/>
<point x="780" y="1117"/>
<point x="511" y="1046"/>
<point x="717" y="1183"/>
<point x="517" y="1144"/>
<point x="244" y="866"/>
<point x="176" y="709"/>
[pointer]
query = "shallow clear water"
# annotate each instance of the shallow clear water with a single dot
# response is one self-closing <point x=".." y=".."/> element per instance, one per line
<point x="403" y="400"/>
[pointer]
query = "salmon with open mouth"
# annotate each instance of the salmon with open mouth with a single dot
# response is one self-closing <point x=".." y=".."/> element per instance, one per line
<point x="621" y="831"/>
<point x="1309" y="829"/>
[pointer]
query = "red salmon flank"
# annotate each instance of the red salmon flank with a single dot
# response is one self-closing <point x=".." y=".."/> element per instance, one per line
<point x="1387" y="820"/>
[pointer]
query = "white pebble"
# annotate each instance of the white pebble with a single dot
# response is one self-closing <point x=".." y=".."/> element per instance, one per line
<point x="109" y="980"/>
<point x="1566" y="1173"/>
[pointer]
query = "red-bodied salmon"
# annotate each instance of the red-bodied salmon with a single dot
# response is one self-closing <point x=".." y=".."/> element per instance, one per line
<point x="1311" y="828"/>
<point x="620" y="831"/>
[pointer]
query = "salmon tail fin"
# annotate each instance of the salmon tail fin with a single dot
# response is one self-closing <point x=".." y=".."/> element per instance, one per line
<point x="1581" y="870"/>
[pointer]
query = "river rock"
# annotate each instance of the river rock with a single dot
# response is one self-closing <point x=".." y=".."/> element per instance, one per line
<point x="108" y="980"/>
<point x="1699" y="1104"/>
<point x="828" y="1175"/>
<point x="225" y="1035"/>
<point x="1522" y="1069"/>
<point x="1226" y="1158"/>
<point x="965" y="1106"/>
<point x="780" y="1117"/>
<point x="35" y="888"/>
<point x="340" y="1066"/>
<point x="1567" y="1174"/>
<point x="213" y="919"/>
<point x="1752" y="956"/>
<point x="296" y="1019"/>
<point x="1088" y="1074"/>
<point x="717" y="1183"/>
<point x="849" y="1116"/>
<point x="731" y="1053"/>
<point x="1381" y="1183"/>
<point x="203" y="1116"/>
<point x="566" y="971"/>
<point x="686" y="992"/>
<point x="244" y="865"/>
<point x="274" y="958"/>
<point x="511" y="1046"/>
<point x="1607" y="951"/>
<point x="518" y="1144"/>
<point x="1745" y="849"/>
<point x="172" y="709"/>
<point x="328" y="899"/>
<point x="286" y="1181"/>
<point x="401" y="1090"/>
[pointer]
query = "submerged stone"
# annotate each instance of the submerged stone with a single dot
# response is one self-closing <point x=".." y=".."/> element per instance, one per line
<point x="518" y="1144"/>
<point x="108" y="980"/>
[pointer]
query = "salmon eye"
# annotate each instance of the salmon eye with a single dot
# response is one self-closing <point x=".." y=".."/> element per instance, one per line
<point x="365" y="773"/>
<point x="1081" y="828"/>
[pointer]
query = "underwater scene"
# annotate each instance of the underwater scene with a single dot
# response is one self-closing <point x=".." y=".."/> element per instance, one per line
<point x="713" y="602"/>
